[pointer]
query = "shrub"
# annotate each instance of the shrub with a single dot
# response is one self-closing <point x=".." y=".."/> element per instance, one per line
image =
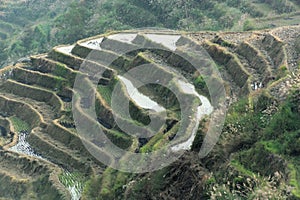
<point x="248" y="26"/>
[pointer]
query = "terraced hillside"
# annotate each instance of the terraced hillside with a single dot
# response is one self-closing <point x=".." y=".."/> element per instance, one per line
<point x="44" y="157"/>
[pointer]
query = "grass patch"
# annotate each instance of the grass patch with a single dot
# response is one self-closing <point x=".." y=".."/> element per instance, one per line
<point x="272" y="146"/>
<point x="159" y="140"/>
<point x="106" y="90"/>
<point x="239" y="167"/>
<point x="152" y="144"/>
<point x="120" y="139"/>
<point x="294" y="180"/>
<point x="19" y="125"/>
<point x="106" y="93"/>
<point x="60" y="70"/>
<point x="107" y="182"/>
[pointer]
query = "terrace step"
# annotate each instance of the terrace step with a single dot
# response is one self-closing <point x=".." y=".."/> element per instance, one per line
<point x="45" y="110"/>
<point x="13" y="107"/>
<point x="76" y="62"/>
<point x="105" y="113"/>
<point x="258" y="68"/>
<point x="136" y="60"/>
<point x="46" y="65"/>
<point x="57" y="152"/>
<point x="34" y="93"/>
<point x="103" y="57"/>
<point x="232" y="48"/>
<point x="175" y="55"/>
<point x="38" y="79"/>
<point x="57" y="55"/>
<point x="232" y="69"/>
<point x="119" y="46"/>
<point x="22" y="174"/>
<point x="46" y="81"/>
<point x="261" y="69"/>
<point x="272" y="49"/>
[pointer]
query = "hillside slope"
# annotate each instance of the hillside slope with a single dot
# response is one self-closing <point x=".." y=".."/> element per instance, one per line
<point x="30" y="27"/>
<point x="46" y="156"/>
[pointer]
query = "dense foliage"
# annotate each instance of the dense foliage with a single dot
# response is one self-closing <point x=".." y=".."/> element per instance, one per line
<point x="263" y="139"/>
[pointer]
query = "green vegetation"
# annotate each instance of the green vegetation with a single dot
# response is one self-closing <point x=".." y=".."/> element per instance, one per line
<point x="120" y="139"/>
<point x="61" y="70"/>
<point x="105" y="92"/>
<point x="113" y="184"/>
<point x="248" y="25"/>
<point x="294" y="179"/>
<point x="253" y="188"/>
<point x="266" y="142"/>
<point x="74" y="180"/>
<point x="283" y="132"/>
<point x="257" y="156"/>
<point x="110" y="181"/>
<point x="38" y="26"/>
<point x="197" y="143"/>
<point x="157" y="183"/>
<point x="200" y="85"/>
<point x="19" y="125"/>
<point x="282" y="72"/>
